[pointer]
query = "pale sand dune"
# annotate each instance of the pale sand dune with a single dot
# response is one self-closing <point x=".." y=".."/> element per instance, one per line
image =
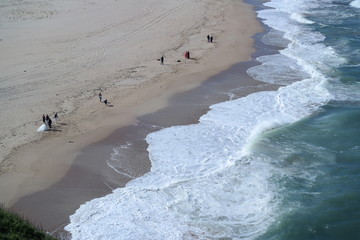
<point x="58" y="55"/>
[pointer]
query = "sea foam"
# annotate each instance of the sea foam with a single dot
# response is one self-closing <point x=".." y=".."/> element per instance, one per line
<point x="355" y="3"/>
<point x="204" y="182"/>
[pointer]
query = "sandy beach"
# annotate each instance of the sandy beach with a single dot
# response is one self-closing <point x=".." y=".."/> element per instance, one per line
<point x="58" y="56"/>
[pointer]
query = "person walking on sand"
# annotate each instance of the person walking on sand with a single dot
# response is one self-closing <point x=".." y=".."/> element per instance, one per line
<point x="211" y="38"/>
<point x="56" y="118"/>
<point x="100" y="96"/>
<point x="162" y="60"/>
<point x="43" y="118"/>
<point x="208" y="38"/>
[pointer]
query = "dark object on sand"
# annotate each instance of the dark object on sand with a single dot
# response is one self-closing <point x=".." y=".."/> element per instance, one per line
<point x="162" y="60"/>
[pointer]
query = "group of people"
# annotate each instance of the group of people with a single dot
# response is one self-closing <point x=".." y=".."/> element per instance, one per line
<point x="100" y="97"/>
<point x="187" y="54"/>
<point x="47" y="122"/>
<point x="210" y="38"/>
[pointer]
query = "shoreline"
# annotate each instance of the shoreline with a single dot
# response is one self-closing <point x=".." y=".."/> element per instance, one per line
<point x="62" y="67"/>
<point x="94" y="130"/>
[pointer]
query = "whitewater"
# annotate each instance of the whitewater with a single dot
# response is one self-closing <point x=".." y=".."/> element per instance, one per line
<point x="208" y="180"/>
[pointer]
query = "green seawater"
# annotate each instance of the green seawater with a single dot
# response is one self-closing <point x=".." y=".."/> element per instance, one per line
<point x="319" y="174"/>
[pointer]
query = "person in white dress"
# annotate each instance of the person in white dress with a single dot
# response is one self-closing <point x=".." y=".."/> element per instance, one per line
<point x="56" y="117"/>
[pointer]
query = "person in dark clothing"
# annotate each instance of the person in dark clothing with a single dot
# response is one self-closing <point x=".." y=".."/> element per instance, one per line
<point x="162" y="60"/>
<point x="105" y="101"/>
<point x="100" y="96"/>
<point x="208" y="38"/>
<point x="48" y="120"/>
<point x="43" y="118"/>
<point x="211" y="38"/>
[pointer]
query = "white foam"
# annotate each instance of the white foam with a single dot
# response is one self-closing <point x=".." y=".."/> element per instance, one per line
<point x="203" y="183"/>
<point x="305" y="52"/>
<point x="119" y="163"/>
<point x="300" y="18"/>
<point x="292" y="6"/>
<point x="275" y="38"/>
<point x="355" y="4"/>
<point x="277" y="69"/>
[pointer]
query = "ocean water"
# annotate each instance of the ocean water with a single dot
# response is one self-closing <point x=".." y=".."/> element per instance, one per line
<point x="279" y="164"/>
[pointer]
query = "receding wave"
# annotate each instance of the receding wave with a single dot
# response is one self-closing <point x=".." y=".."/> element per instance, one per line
<point x="205" y="181"/>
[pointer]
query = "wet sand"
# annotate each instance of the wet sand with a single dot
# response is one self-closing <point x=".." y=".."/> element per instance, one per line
<point x="90" y="176"/>
<point x="45" y="159"/>
<point x="44" y="195"/>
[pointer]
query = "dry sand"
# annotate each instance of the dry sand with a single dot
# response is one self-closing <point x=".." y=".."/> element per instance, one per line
<point x="58" y="55"/>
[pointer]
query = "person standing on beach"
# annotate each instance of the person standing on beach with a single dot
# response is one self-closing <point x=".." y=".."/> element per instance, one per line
<point x="56" y="118"/>
<point x="50" y="122"/>
<point x="162" y="60"/>
<point x="211" y="38"/>
<point x="47" y="121"/>
<point x="208" y="38"/>
<point x="100" y="96"/>
<point x="44" y="126"/>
